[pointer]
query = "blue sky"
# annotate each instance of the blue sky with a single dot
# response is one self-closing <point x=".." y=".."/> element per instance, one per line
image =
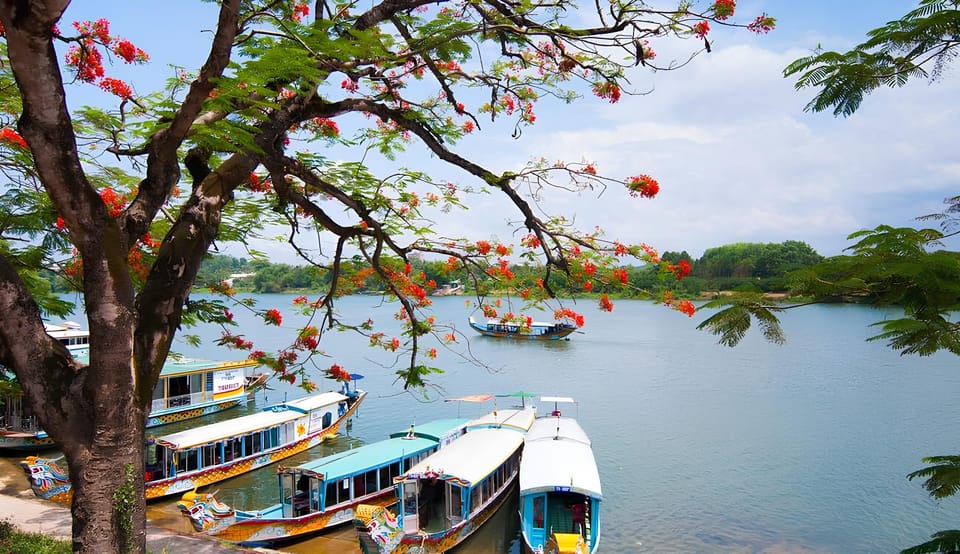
<point x="737" y="158"/>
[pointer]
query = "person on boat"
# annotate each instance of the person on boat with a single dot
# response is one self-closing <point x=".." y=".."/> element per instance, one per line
<point x="578" y="511"/>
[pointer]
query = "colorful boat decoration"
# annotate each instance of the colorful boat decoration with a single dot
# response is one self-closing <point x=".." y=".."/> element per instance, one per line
<point x="531" y="330"/>
<point x="560" y="490"/>
<point x="201" y="456"/>
<point x="449" y="495"/>
<point x="187" y="388"/>
<point x="324" y="492"/>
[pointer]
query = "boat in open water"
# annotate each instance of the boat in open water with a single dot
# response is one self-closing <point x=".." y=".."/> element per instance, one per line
<point x="325" y="492"/>
<point x="201" y="456"/>
<point x="450" y="494"/>
<point x="533" y="330"/>
<point x="560" y="490"/>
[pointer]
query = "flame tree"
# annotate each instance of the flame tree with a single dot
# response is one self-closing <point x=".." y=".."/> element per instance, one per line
<point x="278" y="126"/>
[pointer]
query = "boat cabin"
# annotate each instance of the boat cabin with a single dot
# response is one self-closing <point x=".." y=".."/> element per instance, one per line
<point x="205" y="447"/>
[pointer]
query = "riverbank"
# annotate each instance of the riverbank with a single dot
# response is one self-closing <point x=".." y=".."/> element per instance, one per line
<point x="22" y="509"/>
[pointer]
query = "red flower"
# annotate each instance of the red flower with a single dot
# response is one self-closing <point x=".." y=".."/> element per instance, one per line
<point x="273" y="316"/>
<point x="723" y="9"/>
<point x="483" y="247"/>
<point x="9" y="136"/>
<point x="701" y="29"/>
<point x="587" y="286"/>
<point x="686" y="307"/>
<point x="644" y="186"/>
<point x="605" y="304"/>
<point x="116" y="87"/>
<point x="502" y="250"/>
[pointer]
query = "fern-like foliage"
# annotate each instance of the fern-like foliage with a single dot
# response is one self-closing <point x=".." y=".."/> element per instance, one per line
<point x="947" y="542"/>
<point x="732" y="322"/>
<point x="893" y="54"/>
<point x="942" y="476"/>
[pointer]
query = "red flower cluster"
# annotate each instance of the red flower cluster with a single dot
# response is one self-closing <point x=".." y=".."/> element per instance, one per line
<point x="700" y="29"/>
<point x="644" y="186"/>
<point x="608" y="90"/>
<point x="620" y="275"/>
<point x="762" y="24"/>
<point x="483" y="247"/>
<point x="11" y="137"/>
<point x="681" y="270"/>
<point x="723" y="9"/>
<point x="87" y="60"/>
<point x="686" y="307"/>
<point x="327" y="127"/>
<point x="114" y="202"/>
<point x="605" y="304"/>
<point x="273" y="317"/>
<point x="530" y="241"/>
<point x="337" y="372"/>
<point x="300" y="10"/>
<point x="116" y="87"/>
<point x="567" y="313"/>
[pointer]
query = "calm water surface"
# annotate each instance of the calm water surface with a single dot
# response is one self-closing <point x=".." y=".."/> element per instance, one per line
<point x="796" y="448"/>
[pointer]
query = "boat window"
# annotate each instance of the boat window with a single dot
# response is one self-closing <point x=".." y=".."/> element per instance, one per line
<point x="187" y="460"/>
<point x="208" y="386"/>
<point x="385" y="478"/>
<point x="331" y="494"/>
<point x="454" y="502"/>
<point x="160" y="391"/>
<point x="410" y="498"/>
<point x="287" y="493"/>
<point x="274" y="437"/>
<point x="196" y="387"/>
<point x="358" y="488"/>
<point x="231" y="449"/>
<point x="211" y="455"/>
<point x="394" y="471"/>
<point x="370" y="479"/>
<point x="476" y="500"/>
<point x="327" y="419"/>
<point x="248" y="445"/>
<point x="538" y="512"/>
<point x="179" y="388"/>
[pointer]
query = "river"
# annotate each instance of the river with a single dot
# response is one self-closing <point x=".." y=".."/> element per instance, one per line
<point x="763" y="448"/>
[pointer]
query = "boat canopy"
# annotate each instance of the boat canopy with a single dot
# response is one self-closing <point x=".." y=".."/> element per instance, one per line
<point x="435" y="430"/>
<point x="471" y="458"/>
<point x="513" y="418"/>
<point x="557" y="453"/>
<point x="236" y="427"/>
<point x="374" y="455"/>
<point x="186" y="366"/>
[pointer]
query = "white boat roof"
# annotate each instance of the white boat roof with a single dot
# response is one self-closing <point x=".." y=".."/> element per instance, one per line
<point x="564" y="399"/>
<point x="558" y="453"/>
<point x="64" y="330"/>
<point x="471" y="457"/>
<point x="519" y="419"/>
<point x="238" y="426"/>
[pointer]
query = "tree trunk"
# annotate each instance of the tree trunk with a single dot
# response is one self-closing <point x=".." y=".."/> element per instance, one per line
<point x="108" y="479"/>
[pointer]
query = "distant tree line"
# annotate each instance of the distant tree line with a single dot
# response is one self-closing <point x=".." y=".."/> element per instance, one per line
<point x="753" y="266"/>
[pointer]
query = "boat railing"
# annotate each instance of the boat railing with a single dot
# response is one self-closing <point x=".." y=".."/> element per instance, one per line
<point x="22" y="424"/>
<point x="179" y="401"/>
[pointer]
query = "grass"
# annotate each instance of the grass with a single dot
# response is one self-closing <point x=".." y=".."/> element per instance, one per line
<point x="13" y="541"/>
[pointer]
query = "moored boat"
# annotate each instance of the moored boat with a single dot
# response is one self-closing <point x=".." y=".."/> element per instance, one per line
<point x="323" y="493"/>
<point x="201" y="456"/>
<point x="187" y="388"/>
<point x="560" y="489"/>
<point x="449" y="495"/>
<point x="530" y="330"/>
